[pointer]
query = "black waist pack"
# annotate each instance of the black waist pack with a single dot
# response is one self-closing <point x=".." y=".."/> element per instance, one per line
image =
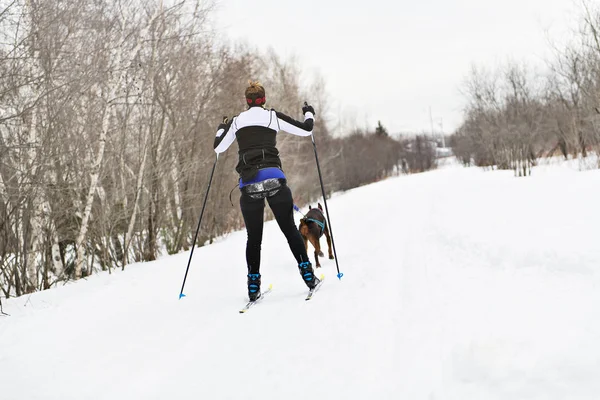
<point x="264" y="189"/>
<point x="250" y="161"/>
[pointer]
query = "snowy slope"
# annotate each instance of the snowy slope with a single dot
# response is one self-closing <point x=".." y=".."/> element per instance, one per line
<point x="459" y="284"/>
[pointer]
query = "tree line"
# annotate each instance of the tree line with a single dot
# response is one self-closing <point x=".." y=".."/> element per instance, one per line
<point x="514" y="115"/>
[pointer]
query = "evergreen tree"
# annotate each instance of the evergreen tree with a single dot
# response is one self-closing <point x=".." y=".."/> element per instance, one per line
<point x="380" y="130"/>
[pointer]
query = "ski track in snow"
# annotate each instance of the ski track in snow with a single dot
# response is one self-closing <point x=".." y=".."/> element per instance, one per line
<point x="459" y="284"/>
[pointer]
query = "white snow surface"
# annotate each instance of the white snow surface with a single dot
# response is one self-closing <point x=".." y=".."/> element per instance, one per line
<point x="459" y="284"/>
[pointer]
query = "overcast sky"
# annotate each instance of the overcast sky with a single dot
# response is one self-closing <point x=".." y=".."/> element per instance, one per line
<point x="392" y="60"/>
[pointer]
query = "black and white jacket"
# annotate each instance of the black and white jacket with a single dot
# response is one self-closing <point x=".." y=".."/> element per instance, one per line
<point x="255" y="130"/>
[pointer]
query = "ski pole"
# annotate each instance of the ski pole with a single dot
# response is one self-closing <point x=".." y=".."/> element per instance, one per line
<point x="1" y="310"/>
<point x="198" y="228"/>
<point x="339" y="275"/>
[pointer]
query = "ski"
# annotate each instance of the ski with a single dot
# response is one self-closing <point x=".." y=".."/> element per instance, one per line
<point x="312" y="291"/>
<point x="250" y="304"/>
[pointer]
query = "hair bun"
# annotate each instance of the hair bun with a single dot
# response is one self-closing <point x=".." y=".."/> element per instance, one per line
<point x="254" y="90"/>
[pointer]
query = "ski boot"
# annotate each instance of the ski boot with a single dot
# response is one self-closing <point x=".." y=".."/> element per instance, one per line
<point x="253" y="286"/>
<point x="306" y="270"/>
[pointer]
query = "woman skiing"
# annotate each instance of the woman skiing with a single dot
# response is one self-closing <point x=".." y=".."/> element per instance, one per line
<point x="261" y="177"/>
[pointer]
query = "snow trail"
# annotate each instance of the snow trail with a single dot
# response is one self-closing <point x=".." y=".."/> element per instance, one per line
<point x="466" y="285"/>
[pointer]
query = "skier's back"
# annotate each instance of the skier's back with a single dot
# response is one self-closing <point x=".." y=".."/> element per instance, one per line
<point x="262" y="177"/>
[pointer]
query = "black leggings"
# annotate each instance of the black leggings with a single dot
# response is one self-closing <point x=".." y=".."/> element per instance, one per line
<point x="282" y="206"/>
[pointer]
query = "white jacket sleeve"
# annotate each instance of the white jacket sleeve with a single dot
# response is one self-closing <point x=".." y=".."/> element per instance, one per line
<point x="290" y="125"/>
<point x="225" y="136"/>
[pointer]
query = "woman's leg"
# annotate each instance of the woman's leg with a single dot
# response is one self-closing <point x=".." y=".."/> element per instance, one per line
<point x="253" y="210"/>
<point x="282" y="205"/>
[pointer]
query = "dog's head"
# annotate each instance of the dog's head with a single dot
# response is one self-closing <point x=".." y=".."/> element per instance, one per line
<point x="304" y="228"/>
<point x="318" y="205"/>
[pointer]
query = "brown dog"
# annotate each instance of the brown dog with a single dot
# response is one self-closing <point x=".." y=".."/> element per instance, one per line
<point x="312" y="227"/>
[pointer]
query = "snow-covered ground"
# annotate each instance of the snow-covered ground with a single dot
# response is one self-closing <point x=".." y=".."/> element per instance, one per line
<point x="459" y="284"/>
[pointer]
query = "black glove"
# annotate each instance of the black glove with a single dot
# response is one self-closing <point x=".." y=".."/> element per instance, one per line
<point x="308" y="108"/>
<point x="223" y="125"/>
